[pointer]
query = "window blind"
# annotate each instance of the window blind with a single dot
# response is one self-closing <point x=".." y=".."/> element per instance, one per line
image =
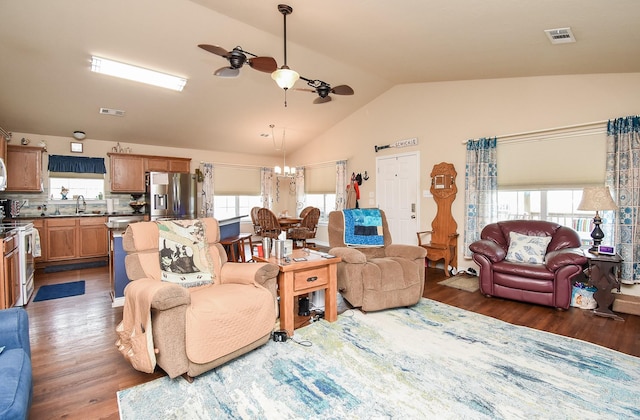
<point x="236" y="180"/>
<point x="554" y="162"/>
<point x="320" y="179"/>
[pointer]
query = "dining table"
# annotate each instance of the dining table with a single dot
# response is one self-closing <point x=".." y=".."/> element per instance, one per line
<point x="288" y="222"/>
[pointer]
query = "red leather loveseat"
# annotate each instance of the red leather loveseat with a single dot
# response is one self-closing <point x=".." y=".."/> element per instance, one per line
<point x="545" y="283"/>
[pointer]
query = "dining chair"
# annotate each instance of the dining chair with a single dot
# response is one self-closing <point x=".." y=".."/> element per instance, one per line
<point x="307" y="228"/>
<point x="269" y="225"/>
<point x="254" y="220"/>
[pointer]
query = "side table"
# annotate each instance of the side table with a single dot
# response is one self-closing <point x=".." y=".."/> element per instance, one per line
<point x="602" y="272"/>
<point x="301" y="277"/>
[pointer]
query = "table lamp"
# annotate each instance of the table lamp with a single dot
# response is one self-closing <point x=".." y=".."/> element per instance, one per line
<point x="598" y="199"/>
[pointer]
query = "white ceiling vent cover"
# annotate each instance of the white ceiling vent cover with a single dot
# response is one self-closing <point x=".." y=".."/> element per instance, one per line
<point x="560" y="35"/>
<point x="114" y="112"/>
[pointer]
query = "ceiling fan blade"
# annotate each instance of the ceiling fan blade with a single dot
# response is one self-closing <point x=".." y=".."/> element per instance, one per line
<point x="342" y="90"/>
<point x="227" y="72"/>
<point x="320" y="100"/>
<point x="265" y="64"/>
<point x="304" y="90"/>
<point x="214" y="49"/>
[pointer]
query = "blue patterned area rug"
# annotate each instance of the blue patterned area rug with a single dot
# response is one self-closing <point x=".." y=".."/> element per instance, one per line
<point x="428" y="361"/>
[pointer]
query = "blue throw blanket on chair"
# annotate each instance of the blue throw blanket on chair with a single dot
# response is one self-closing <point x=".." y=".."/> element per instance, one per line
<point x="363" y="227"/>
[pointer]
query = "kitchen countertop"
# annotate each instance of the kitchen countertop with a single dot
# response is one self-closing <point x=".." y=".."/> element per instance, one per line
<point x="57" y="216"/>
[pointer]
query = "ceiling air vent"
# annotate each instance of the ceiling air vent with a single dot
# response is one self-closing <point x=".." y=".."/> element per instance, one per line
<point x="114" y="112"/>
<point x="560" y="36"/>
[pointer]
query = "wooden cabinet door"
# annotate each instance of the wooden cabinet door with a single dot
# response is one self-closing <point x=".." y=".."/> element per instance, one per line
<point x="61" y="239"/>
<point x="156" y="164"/>
<point x="180" y="165"/>
<point x="3" y="148"/>
<point x="10" y="279"/>
<point x="13" y="276"/>
<point x="93" y="241"/>
<point x="127" y="173"/>
<point x="24" y="169"/>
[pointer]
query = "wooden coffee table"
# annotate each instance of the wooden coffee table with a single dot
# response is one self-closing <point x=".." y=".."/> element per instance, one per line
<point x="298" y="278"/>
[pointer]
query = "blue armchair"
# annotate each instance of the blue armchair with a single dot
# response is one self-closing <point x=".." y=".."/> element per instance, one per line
<point x="16" y="386"/>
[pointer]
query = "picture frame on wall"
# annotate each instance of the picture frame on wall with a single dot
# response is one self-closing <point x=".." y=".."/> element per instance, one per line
<point x="76" y="147"/>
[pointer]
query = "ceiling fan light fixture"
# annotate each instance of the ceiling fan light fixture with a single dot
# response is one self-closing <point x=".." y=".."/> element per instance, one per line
<point x="285" y="77"/>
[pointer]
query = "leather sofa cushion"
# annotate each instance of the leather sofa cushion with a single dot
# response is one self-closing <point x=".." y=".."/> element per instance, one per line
<point x="535" y="271"/>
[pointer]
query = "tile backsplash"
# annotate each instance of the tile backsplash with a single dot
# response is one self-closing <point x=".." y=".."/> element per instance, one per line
<point x="40" y="204"/>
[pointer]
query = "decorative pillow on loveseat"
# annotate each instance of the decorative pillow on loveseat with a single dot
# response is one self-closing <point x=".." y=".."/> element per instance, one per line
<point x="527" y="249"/>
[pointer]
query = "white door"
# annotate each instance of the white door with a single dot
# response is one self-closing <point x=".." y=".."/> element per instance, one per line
<point x="397" y="183"/>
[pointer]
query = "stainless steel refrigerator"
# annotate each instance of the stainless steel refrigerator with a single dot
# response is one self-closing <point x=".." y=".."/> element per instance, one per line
<point x="170" y="195"/>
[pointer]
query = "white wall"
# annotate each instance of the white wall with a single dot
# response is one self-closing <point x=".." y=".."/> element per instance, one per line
<point x="443" y="115"/>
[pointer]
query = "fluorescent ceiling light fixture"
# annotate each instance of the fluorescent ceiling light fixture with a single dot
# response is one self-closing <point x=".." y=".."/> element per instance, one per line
<point x="137" y="74"/>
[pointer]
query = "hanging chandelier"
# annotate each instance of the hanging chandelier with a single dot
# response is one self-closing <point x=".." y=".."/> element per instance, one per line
<point x="283" y="170"/>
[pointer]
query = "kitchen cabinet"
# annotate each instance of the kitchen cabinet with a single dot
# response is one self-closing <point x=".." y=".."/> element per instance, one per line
<point x="24" y="169"/>
<point x="61" y="243"/>
<point x="167" y="164"/>
<point x="127" y="173"/>
<point x="92" y="237"/>
<point x="127" y="170"/>
<point x="10" y="277"/>
<point x="69" y="238"/>
<point x="3" y="148"/>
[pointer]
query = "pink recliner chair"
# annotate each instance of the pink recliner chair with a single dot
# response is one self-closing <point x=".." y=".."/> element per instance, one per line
<point x="545" y="283"/>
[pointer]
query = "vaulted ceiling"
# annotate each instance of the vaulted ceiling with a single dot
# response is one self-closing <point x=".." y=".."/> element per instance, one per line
<point x="46" y="86"/>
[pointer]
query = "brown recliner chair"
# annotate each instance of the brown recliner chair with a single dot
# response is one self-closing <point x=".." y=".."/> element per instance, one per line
<point x="375" y="278"/>
<point x="194" y="329"/>
<point x="548" y="283"/>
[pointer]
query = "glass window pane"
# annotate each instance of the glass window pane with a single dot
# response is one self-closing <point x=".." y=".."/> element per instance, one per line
<point x="90" y="188"/>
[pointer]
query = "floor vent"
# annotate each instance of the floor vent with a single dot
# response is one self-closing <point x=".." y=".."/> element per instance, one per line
<point x="109" y="111"/>
<point x="560" y="35"/>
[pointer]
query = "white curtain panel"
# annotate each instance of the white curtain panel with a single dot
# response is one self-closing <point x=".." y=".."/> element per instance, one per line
<point x="266" y="187"/>
<point x="207" y="190"/>
<point x="341" y="184"/>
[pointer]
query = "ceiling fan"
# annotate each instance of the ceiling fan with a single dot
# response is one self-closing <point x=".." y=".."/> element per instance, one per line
<point x="237" y="58"/>
<point x="323" y="89"/>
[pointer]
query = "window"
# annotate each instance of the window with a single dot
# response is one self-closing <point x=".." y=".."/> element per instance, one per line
<point x="320" y="189"/>
<point x="226" y="206"/>
<point x="557" y="206"/>
<point x="325" y="202"/>
<point x="91" y="188"/>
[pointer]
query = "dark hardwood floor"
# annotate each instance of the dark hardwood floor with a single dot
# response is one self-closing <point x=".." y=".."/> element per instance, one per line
<point x="77" y="369"/>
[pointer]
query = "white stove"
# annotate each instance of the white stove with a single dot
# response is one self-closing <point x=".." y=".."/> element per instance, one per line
<point x="26" y="242"/>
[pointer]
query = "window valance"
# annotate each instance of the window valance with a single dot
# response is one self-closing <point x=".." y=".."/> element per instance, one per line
<point x="85" y="165"/>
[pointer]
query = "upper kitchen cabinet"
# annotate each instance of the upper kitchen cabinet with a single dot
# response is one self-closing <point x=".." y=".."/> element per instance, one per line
<point x="3" y="147"/>
<point x="24" y="169"/>
<point x="127" y="173"/>
<point x="167" y="164"/>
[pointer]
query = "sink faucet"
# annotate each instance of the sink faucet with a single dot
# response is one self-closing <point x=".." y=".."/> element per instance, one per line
<point x="84" y="204"/>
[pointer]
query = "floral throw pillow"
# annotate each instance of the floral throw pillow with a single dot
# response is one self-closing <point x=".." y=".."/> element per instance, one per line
<point x="527" y="249"/>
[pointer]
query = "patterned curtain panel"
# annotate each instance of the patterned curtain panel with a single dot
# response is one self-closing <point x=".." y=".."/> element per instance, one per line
<point x="481" y="189"/>
<point x="266" y="187"/>
<point x="207" y="191"/>
<point x="341" y="184"/>
<point x="623" y="178"/>
<point x="300" y="194"/>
